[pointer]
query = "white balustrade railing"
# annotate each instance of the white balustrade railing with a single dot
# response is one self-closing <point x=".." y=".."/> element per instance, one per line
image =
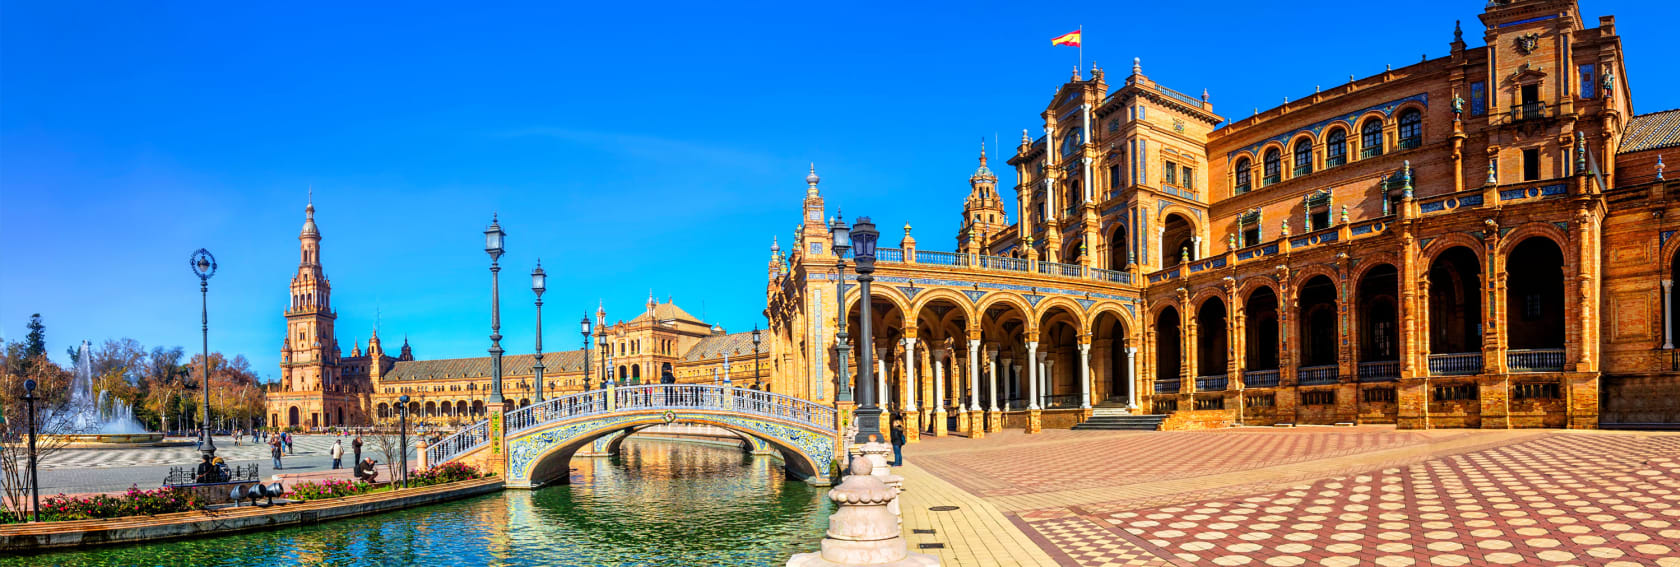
<point x="1379" y="371"/>
<point x="1001" y="263"/>
<point x="1115" y="276"/>
<point x="1535" y="360"/>
<point x="467" y="439"/>
<point x="941" y="258"/>
<point x="673" y="397"/>
<point x="1267" y="378"/>
<point x="1455" y="364"/>
<point x="1317" y="375"/>
<point x="889" y="255"/>
<point x="1064" y="270"/>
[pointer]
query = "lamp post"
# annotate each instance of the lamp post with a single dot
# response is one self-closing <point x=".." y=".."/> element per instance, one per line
<point x="539" y="284"/>
<point x="868" y="413"/>
<point x="606" y="362"/>
<point x="34" y="484"/>
<point x="757" y="383"/>
<point x="584" y="327"/>
<point x="402" y="433"/>
<point x="204" y="266"/>
<point x="842" y="243"/>
<point x="493" y="236"/>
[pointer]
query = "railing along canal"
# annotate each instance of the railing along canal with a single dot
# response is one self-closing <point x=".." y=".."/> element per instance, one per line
<point x="673" y="397"/>
<point x="467" y="439"/>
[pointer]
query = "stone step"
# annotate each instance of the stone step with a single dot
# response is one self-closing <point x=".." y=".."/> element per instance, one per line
<point x="1123" y="422"/>
<point x="1101" y="411"/>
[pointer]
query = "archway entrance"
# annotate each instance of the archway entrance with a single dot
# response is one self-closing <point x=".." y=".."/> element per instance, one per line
<point x="1534" y="305"/>
<point x="1318" y="331"/>
<point x="1455" y="309"/>
<point x="1261" y="326"/>
<point x="1379" y="328"/>
<point x="1111" y="341"/>
<point x="1176" y="241"/>
<point x="1211" y="355"/>
<point x="292" y="419"/>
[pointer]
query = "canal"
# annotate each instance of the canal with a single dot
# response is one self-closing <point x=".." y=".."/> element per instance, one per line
<point x="658" y="503"/>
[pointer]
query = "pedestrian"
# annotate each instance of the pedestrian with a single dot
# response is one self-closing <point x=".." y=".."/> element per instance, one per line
<point x="287" y="439"/>
<point x="274" y="449"/>
<point x="898" y="441"/>
<point x="337" y="453"/>
<point x="356" y="446"/>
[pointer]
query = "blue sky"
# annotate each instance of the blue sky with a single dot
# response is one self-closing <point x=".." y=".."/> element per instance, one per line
<point x="629" y="145"/>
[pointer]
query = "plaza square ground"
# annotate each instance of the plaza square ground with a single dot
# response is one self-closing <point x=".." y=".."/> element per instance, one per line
<point x="1335" y="496"/>
<point x="73" y="471"/>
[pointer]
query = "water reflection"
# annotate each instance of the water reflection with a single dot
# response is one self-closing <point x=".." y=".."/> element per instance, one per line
<point x="658" y="503"/>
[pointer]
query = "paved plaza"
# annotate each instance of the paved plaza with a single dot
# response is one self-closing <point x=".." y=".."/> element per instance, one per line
<point x="1341" y="496"/>
<point x="102" y="470"/>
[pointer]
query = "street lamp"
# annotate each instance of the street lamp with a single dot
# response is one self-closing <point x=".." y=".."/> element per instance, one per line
<point x="842" y="243"/>
<point x="584" y="327"/>
<point x="204" y="266"/>
<point x="493" y="246"/>
<point x="402" y="433"/>
<point x="34" y="484"/>
<point x="757" y="384"/>
<point x="539" y="281"/>
<point x="868" y="414"/>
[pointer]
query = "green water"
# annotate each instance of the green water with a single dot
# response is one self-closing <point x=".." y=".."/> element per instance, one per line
<point x="659" y="503"/>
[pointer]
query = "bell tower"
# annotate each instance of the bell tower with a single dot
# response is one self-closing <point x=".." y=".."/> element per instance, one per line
<point x="984" y="215"/>
<point x="310" y="359"/>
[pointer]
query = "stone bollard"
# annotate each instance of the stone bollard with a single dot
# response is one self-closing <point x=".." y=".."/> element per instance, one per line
<point x="861" y="531"/>
<point x="877" y="453"/>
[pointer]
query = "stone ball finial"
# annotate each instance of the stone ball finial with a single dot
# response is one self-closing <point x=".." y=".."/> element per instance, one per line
<point x="812" y="179"/>
<point x="861" y="466"/>
<point x="1137" y="65"/>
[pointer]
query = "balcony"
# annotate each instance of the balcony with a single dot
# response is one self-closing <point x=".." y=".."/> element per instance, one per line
<point x="1455" y="364"/>
<point x="1318" y="375"/>
<point x="1001" y="263"/>
<point x="1379" y="371"/>
<point x="1334" y="161"/>
<point x="1272" y="179"/>
<point x="1166" y="386"/>
<point x="1243" y="188"/>
<point x="1064" y="270"/>
<point x="1370" y="152"/>
<point x="941" y="258"/>
<point x="1260" y="378"/>
<point x="1528" y="111"/>
<point x="889" y="255"/>
<point x="1534" y="360"/>
<point x="1300" y="170"/>
<point x="1211" y="383"/>
<point x="1409" y="143"/>
<point x="1115" y="276"/>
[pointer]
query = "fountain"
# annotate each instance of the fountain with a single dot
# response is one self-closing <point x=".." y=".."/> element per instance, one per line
<point x="98" y="420"/>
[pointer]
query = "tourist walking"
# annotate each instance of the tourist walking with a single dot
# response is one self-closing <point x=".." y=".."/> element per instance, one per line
<point x="337" y="453"/>
<point x="287" y="439"/>
<point x="274" y="450"/>
<point x="898" y="441"/>
<point x="356" y="448"/>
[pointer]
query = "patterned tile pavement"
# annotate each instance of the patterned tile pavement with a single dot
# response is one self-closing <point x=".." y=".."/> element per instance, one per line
<point x="1420" y="498"/>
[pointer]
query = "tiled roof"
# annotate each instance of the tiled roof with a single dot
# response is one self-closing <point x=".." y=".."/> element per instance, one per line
<point x="457" y="368"/>
<point x="667" y="311"/>
<point x="1652" y="131"/>
<point x="714" y="347"/>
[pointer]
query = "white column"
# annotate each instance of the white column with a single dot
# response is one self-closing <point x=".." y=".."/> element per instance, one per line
<point x="1047" y="376"/>
<point x="910" y="373"/>
<point x="884" y="397"/>
<point x="1084" y="376"/>
<point x="939" y="355"/>
<point x="1131" y="378"/>
<point x="991" y="379"/>
<point x="1009" y="373"/>
<point x="974" y="374"/>
<point x="1032" y="375"/>
<point x="1668" y="313"/>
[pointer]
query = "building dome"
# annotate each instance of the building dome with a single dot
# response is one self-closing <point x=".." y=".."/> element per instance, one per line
<point x="812" y="179"/>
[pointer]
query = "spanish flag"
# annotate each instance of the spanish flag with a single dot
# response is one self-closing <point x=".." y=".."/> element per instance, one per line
<point x="1070" y="38"/>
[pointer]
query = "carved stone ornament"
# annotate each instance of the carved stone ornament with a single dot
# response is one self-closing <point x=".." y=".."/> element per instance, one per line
<point x="1526" y="43"/>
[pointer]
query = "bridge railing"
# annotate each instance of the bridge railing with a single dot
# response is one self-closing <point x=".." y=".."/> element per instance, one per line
<point x="672" y="397"/>
<point x="466" y="440"/>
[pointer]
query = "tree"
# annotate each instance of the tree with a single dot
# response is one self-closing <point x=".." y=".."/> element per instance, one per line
<point x="35" y="343"/>
<point x="53" y="390"/>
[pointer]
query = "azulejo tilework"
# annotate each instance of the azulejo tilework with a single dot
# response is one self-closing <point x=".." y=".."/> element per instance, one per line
<point x="526" y="450"/>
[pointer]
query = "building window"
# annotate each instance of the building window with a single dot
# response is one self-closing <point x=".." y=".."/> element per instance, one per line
<point x="1273" y="165"/>
<point x="1411" y="129"/>
<point x="1113" y="177"/>
<point x="1248" y="224"/>
<point x="1319" y="398"/>
<point x="1478" y="99"/>
<point x="1454" y="392"/>
<point x="1531" y="164"/>
<point x="1140" y="113"/>
<point x="1370" y="139"/>
<point x="1335" y="148"/>
<point x="1243" y="181"/>
<point x="1189" y="177"/>
<point x="1589" y="86"/>
<point x="1169" y="174"/>
<point x="1537" y="391"/>
<point x="1379" y="395"/>
<point x="1303" y="157"/>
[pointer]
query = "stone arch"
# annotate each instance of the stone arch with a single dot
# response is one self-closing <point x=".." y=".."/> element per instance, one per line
<point x="1367" y="263"/>
<point x="878" y="291"/>
<point x="1509" y="241"/>
<point x="1251" y="284"/>
<point x="1302" y="275"/>
<point x="541" y="456"/>
<point x="1020" y="304"/>
<point x="1174" y="240"/>
<point x="1323" y="136"/>
<point x="1081" y="321"/>
<point x="928" y="296"/>
<point x="1116" y="309"/>
<point x="1202" y="295"/>
<point x="617" y="441"/>
<point x="1449" y="241"/>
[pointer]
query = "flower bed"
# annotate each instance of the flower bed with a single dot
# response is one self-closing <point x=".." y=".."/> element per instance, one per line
<point x="447" y="472"/>
<point x="135" y="502"/>
<point x="329" y="489"/>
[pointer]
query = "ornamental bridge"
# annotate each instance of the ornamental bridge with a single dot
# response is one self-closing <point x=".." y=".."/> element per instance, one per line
<point x="532" y="445"/>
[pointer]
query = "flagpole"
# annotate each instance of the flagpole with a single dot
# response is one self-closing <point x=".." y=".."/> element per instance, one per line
<point x="1082" y="48"/>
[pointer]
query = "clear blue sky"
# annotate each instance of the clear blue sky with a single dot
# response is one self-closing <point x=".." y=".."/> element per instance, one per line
<point x="629" y="145"/>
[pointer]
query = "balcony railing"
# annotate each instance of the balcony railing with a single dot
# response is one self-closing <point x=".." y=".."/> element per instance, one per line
<point x="1534" y="360"/>
<point x="1001" y="263"/>
<point x="1115" y="276"/>
<point x="889" y="255"/>
<point x="1379" y="371"/>
<point x="1370" y="152"/>
<point x="1409" y="143"/>
<point x="1243" y="188"/>
<point x="1334" y="161"/>
<point x="1528" y="111"/>
<point x="1302" y="170"/>
<point x="1211" y="383"/>
<point x="941" y="258"/>
<point x="1317" y="375"/>
<point x="1166" y="386"/>
<point x="1061" y="401"/>
<point x="1064" y="270"/>
<point x="1272" y="179"/>
<point x="1260" y="378"/>
<point x="1455" y="364"/>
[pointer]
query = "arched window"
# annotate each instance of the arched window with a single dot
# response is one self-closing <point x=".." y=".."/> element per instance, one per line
<point x="1411" y="129"/>
<point x="1335" y="148"/>
<point x="1303" y="157"/>
<point x="1370" y="139"/>
<point x="1072" y="141"/>
<point x="1273" y="163"/>
<point x="1244" y="183"/>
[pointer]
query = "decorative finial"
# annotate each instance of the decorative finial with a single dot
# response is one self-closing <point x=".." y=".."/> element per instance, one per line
<point x="1285" y="229"/>
<point x="907" y="228"/>
<point x="1458" y="32"/>
<point x="775" y="244"/>
<point x="1137" y="65"/>
<point x="1204" y="94"/>
<point x="1493" y="171"/>
<point x="1286" y="100"/>
<point x="1659" y="167"/>
<point x="1075" y="74"/>
<point x="1184" y="254"/>
<point x="1406" y="179"/>
<point x="1388" y="67"/>
<point x="812" y="179"/>
<point x="1231" y="241"/>
<point x="1317" y="89"/>
<point x="1025" y="139"/>
<point x="1344" y="214"/>
<point x="1580" y="152"/>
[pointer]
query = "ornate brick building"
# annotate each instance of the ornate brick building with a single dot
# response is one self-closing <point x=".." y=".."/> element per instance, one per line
<point x="1480" y="239"/>
<point x="322" y="387"/>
